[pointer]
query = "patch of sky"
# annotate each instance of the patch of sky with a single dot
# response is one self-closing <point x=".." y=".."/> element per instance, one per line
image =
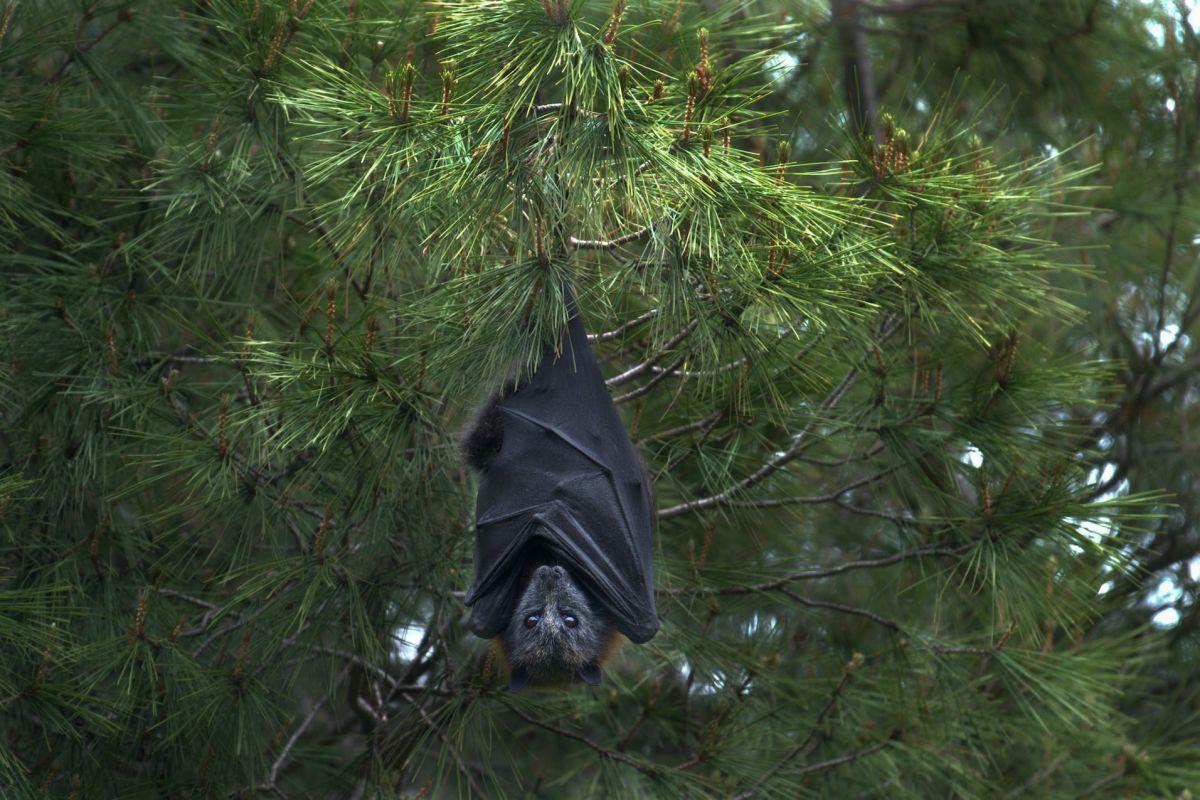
<point x="1095" y="530"/>
<point x="1155" y="25"/>
<point x="972" y="455"/>
<point x="780" y="65"/>
<point x="1102" y="475"/>
<point x="1167" y="618"/>
<point x="406" y="639"/>
<point x="1168" y="593"/>
<point x="761" y="623"/>
<point x="699" y="685"/>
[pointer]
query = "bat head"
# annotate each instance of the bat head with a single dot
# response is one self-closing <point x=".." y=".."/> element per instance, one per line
<point x="556" y="632"/>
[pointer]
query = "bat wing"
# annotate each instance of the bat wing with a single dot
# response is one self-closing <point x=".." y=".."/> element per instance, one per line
<point x="567" y="477"/>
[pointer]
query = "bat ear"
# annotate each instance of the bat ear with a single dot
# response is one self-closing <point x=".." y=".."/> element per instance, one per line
<point x="590" y="673"/>
<point x="517" y="679"/>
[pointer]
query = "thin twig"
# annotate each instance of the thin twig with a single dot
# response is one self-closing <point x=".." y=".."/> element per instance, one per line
<point x="476" y="789"/>
<point x="824" y="765"/>
<point x="1037" y="777"/>
<point x="846" y="759"/>
<point x="799" y="440"/>
<point x="616" y="332"/>
<point x="78" y="49"/>
<point x="875" y="450"/>
<point x="842" y="608"/>
<point x="700" y="373"/>
<point x="285" y="753"/>
<point x="633" y="394"/>
<point x="824" y="572"/>
<point x="82" y="48"/>
<point x="189" y="598"/>
<point x="338" y="256"/>
<point x="803" y="747"/>
<point x="644" y="367"/>
<point x="828" y="497"/>
<point x="646" y="769"/>
<point x="770" y="467"/>
<point x="688" y="427"/>
<point x="858" y="78"/>
<point x="895" y="519"/>
<point x="608" y="244"/>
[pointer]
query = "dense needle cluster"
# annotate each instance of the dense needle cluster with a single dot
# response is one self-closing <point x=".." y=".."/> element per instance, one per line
<point x="261" y="259"/>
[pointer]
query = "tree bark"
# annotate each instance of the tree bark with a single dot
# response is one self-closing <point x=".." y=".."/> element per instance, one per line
<point x="858" y="77"/>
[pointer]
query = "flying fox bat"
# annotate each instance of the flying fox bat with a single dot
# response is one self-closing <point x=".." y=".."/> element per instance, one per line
<point x="564" y="520"/>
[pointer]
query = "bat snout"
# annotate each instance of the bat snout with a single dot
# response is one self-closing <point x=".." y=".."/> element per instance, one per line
<point x="549" y="575"/>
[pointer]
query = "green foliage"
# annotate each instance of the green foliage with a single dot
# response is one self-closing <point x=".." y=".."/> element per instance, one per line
<point x="262" y="260"/>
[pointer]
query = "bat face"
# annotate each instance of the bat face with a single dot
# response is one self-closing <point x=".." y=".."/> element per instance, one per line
<point x="555" y="631"/>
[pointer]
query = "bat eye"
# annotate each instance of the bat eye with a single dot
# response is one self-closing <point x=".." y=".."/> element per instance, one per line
<point x="531" y="620"/>
<point x="570" y="621"/>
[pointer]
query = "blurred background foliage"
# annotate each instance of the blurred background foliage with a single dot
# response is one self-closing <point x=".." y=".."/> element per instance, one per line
<point x="1110" y="86"/>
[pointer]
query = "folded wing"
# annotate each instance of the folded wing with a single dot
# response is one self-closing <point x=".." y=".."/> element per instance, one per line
<point x="566" y="477"/>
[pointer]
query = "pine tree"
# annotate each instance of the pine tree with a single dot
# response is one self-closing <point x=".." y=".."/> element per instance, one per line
<point x="263" y="258"/>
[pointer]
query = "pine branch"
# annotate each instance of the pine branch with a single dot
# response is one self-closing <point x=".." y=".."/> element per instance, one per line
<point x="623" y="328"/>
<point x="803" y="747"/>
<point x="463" y="769"/>
<point x="842" y="608"/>
<point x="828" y="497"/>
<point x="644" y="367"/>
<point x="686" y="373"/>
<point x="798" y="442"/>
<point x="823" y="572"/>
<point x="848" y="758"/>
<point x="608" y="244"/>
<point x="649" y="385"/>
<point x="271" y="783"/>
<point x="770" y="467"/>
<point x="703" y="424"/>
<point x="613" y="755"/>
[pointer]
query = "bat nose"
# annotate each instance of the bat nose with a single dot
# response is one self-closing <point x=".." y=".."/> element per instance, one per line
<point x="549" y="575"/>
